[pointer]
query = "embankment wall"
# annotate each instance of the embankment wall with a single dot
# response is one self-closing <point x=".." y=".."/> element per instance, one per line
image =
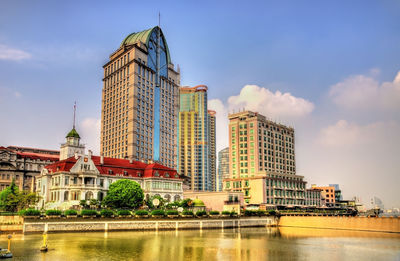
<point x="380" y="224"/>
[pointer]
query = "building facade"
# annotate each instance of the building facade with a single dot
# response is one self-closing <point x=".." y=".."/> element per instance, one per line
<point x="23" y="165"/>
<point x="223" y="167"/>
<point x="262" y="161"/>
<point x="313" y="198"/>
<point x="63" y="184"/>
<point x="196" y="139"/>
<point x="140" y="100"/>
<point x="327" y="194"/>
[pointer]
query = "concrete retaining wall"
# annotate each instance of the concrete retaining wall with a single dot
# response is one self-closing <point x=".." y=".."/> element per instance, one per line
<point x="382" y="224"/>
<point x="98" y="225"/>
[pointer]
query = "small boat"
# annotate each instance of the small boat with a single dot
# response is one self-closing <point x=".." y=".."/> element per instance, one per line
<point x="4" y="253"/>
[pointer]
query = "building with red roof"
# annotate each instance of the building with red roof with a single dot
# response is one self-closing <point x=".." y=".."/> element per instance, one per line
<point x="83" y="177"/>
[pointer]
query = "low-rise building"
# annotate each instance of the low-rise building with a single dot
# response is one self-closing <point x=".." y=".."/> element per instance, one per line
<point x="327" y="194"/>
<point x="313" y="198"/>
<point x="83" y="177"/>
<point x="220" y="201"/>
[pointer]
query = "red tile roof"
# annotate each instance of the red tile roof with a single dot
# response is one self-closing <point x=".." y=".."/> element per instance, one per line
<point x="32" y="155"/>
<point x="119" y="167"/>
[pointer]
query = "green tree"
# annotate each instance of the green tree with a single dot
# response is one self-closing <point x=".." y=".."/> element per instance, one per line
<point x="9" y="198"/>
<point x="124" y="193"/>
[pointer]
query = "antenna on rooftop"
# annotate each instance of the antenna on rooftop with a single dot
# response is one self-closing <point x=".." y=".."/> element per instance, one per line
<point x="74" y="114"/>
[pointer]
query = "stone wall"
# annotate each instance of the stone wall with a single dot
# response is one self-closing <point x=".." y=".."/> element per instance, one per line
<point x="39" y="226"/>
<point x="381" y="224"/>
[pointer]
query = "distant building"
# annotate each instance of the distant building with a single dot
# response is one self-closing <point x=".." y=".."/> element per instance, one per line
<point x="327" y="194"/>
<point x="223" y="167"/>
<point x="377" y="203"/>
<point x="262" y="161"/>
<point x="139" y="110"/>
<point x="313" y="198"/>
<point x="23" y="164"/>
<point x="196" y="139"/>
<point x="338" y="192"/>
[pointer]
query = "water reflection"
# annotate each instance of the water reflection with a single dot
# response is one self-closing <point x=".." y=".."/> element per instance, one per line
<point x="228" y="244"/>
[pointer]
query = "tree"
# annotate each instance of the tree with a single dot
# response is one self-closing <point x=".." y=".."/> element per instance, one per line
<point x="11" y="199"/>
<point x="124" y="193"/>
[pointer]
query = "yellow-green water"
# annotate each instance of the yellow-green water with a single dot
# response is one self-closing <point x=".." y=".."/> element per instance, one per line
<point x="228" y="244"/>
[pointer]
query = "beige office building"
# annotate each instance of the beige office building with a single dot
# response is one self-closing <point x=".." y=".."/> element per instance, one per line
<point x="262" y="161"/>
<point x="140" y="109"/>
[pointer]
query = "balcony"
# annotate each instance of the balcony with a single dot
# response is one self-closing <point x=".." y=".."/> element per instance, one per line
<point x="231" y="202"/>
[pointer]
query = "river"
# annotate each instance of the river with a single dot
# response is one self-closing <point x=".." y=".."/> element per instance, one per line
<point x="229" y="244"/>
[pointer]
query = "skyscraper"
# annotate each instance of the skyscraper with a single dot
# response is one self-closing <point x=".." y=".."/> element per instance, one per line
<point x="196" y="139"/>
<point x="140" y="100"/>
<point x="223" y="167"/>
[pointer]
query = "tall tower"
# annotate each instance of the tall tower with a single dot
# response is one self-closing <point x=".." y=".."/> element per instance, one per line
<point x="223" y="167"/>
<point x="140" y="100"/>
<point x="196" y="139"/>
<point x="213" y="151"/>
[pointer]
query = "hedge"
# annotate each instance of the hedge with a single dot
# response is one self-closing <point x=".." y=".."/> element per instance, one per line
<point x="106" y="213"/>
<point x="123" y="212"/>
<point x="70" y="212"/>
<point x="157" y="212"/>
<point x="53" y="212"/>
<point x="172" y="212"/>
<point x="29" y="212"/>
<point x="214" y="212"/>
<point x="225" y="212"/>
<point x="88" y="212"/>
<point x="141" y="212"/>
<point x="201" y="213"/>
<point x="187" y="213"/>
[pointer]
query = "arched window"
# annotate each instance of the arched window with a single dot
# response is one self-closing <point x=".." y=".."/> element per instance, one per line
<point x="177" y="198"/>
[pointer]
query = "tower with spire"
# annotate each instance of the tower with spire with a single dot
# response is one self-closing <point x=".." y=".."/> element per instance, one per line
<point x="72" y="145"/>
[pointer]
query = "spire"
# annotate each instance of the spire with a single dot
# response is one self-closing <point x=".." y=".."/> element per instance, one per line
<point x="73" y="125"/>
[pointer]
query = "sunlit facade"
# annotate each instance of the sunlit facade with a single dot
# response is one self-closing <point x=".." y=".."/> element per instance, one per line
<point x="140" y="109"/>
<point x="196" y="139"/>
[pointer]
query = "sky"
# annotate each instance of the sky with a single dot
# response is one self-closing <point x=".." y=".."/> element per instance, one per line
<point x="330" y="69"/>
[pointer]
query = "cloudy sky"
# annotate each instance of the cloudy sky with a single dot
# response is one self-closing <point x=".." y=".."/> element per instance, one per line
<point x="330" y="69"/>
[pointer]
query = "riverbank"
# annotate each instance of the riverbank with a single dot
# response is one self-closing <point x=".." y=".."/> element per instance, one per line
<point x="380" y="224"/>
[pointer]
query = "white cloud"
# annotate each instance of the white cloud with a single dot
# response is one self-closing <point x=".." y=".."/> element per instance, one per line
<point x="90" y="133"/>
<point x="9" y="53"/>
<point x="347" y="135"/>
<point x="365" y="92"/>
<point x="276" y="105"/>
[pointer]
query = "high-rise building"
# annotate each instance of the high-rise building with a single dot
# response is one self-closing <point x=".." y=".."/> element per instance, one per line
<point x="196" y="139"/>
<point x="223" y="167"/>
<point x="213" y="149"/>
<point x="140" y="100"/>
<point x="262" y="161"/>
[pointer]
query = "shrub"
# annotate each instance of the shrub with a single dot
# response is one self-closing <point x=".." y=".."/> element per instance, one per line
<point x="249" y="213"/>
<point x="226" y="212"/>
<point x="201" y="213"/>
<point x="29" y="212"/>
<point x="157" y="212"/>
<point x="214" y="212"/>
<point x="272" y="212"/>
<point x="88" y="212"/>
<point x="233" y="213"/>
<point x="187" y="213"/>
<point x="106" y="213"/>
<point x="124" y="212"/>
<point x="141" y="212"/>
<point x="261" y="212"/>
<point x="53" y="212"/>
<point x="172" y="212"/>
<point x="70" y="212"/>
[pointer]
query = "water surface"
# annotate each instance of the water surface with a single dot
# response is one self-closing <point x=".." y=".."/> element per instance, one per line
<point x="227" y="244"/>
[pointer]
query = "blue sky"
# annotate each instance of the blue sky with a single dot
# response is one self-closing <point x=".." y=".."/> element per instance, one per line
<point x="331" y="59"/>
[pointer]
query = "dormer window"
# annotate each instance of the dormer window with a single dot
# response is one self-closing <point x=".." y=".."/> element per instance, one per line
<point x="176" y="176"/>
<point x="166" y="175"/>
<point x="156" y="174"/>
<point x="110" y="171"/>
<point x="139" y="174"/>
<point x="125" y="173"/>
